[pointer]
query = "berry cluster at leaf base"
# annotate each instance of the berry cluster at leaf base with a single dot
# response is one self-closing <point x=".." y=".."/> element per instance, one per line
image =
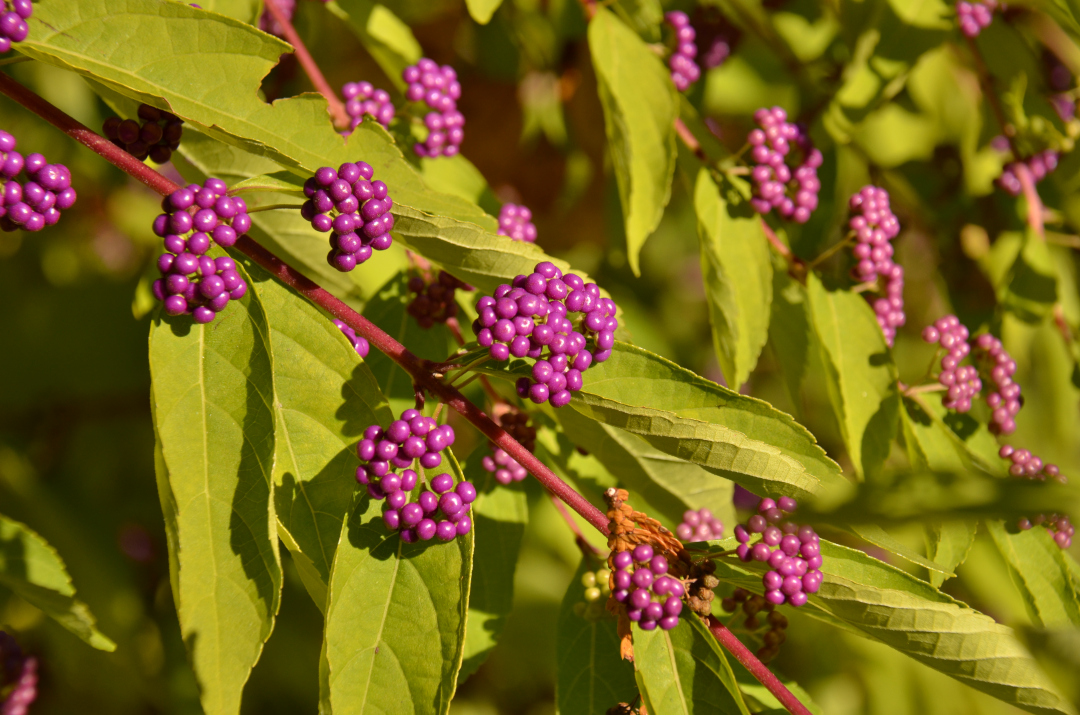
<point x="699" y="525"/>
<point x="157" y="137"/>
<point x="363" y="98"/>
<point x="354" y="209"/>
<point x="13" y="17"/>
<point x="515" y="221"/>
<point x="505" y="468"/>
<point x="1038" y="166"/>
<point x="793" y="552"/>
<point x="874" y="225"/>
<point x="360" y="345"/>
<point x="597" y="586"/>
<point x="684" y="71"/>
<point x="962" y="381"/>
<point x="441" y="509"/>
<point x="536" y="317"/>
<point x="37" y="203"/>
<point x="974" y="17"/>
<point x="782" y="180"/>
<point x="193" y="283"/>
<point x="438" y="87"/>
<point x="641" y="582"/>
<point x="752" y="606"/>
<point x="435" y="301"/>
<point x="18" y="677"/>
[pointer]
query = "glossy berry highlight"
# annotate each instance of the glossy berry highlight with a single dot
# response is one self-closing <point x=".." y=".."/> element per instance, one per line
<point x="360" y="345"/>
<point x="13" y="26"/>
<point x="354" y="208"/>
<point x="792" y="552"/>
<point x="439" y="89"/>
<point x="35" y="203"/>
<point x="363" y="99"/>
<point x="699" y="525"/>
<point x="642" y="584"/>
<point x="684" y="70"/>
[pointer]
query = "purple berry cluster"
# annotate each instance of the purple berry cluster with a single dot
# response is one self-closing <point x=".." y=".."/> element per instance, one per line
<point x="359" y="344"/>
<point x="1039" y="165"/>
<point x="793" y="552"/>
<point x="530" y="319"/>
<point x="684" y="71"/>
<point x="438" y="87"/>
<point x="718" y="52"/>
<point x="1026" y="465"/>
<point x="435" y="301"/>
<point x="515" y="221"/>
<point x="874" y="225"/>
<point x="353" y="208"/>
<point x="1058" y="525"/>
<point x="362" y="98"/>
<point x="1004" y="399"/>
<point x="268" y="24"/>
<point x="699" y="525"/>
<point x="199" y="286"/>
<point x="19" y="673"/>
<point x="157" y="137"/>
<point x="974" y="17"/>
<point x="505" y="468"/>
<point x="962" y="381"/>
<point x="37" y="203"/>
<point x="13" y="27"/>
<point x="441" y="509"/>
<point x="779" y="183"/>
<point x="642" y="584"/>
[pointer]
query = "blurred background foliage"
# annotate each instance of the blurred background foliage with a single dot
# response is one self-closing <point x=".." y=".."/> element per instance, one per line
<point x="890" y="92"/>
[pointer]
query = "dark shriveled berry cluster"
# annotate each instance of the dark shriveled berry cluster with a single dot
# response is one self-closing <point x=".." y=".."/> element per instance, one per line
<point x="753" y="605"/>
<point x="793" y="552"/>
<point x="157" y="137"/>
<point x="783" y="180"/>
<point x="641" y="583"/>
<point x="362" y="98"/>
<point x="13" y="17"/>
<point x="435" y="301"/>
<point x="37" y="203"/>
<point x="874" y="225"/>
<point x="699" y="525"/>
<point x="684" y="71"/>
<point x="354" y="209"/>
<point x="439" y="89"/>
<point x="558" y="320"/>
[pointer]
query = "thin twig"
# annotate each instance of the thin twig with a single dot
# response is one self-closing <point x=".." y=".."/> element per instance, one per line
<point x="1031" y="195"/>
<point x="690" y="140"/>
<point x="334" y="105"/>
<point x="587" y="549"/>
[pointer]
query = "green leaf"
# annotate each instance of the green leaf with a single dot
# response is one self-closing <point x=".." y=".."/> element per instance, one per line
<point x="642" y="16"/>
<point x="948" y="544"/>
<point x="737" y="270"/>
<point x="670" y="485"/>
<point x="1039" y="570"/>
<point x="499" y="516"/>
<point x="325" y="397"/>
<point x="789" y="330"/>
<point x="639" y="113"/>
<point x="387" y="311"/>
<point x="243" y="10"/>
<point x="685" y="671"/>
<point x="389" y="40"/>
<point x="860" y="374"/>
<point x="876" y="535"/>
<point x="482" y="10"/>
<point x="686" y="416"/>
<point x="395" y="620"/>
<point x="1030" y="289"/>
<point x="590" y="675"/>
<point x="213" y="392"/>
<point x="32" y="569"/>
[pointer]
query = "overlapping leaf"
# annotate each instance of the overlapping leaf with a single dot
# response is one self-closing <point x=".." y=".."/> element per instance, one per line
<point x="738" y="273"/>
<point x="395" y="619"/>
<point x="1040" y="571"/>
<point x="213" y="396"/>
<point x="386" y="38"/>
<point x="639" y="113"/>
<point x="32" y="569"/>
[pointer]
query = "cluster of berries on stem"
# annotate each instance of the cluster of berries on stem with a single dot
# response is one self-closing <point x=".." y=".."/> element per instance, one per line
<point x="157" y="137"/>
<point x="597" y="587"/>
<point x="37" y="203"/>
<point x="439" y="89"/>
<point x="684" y="71"/>
<point x="363" y="98"/>
<point x="1038" y="165"/>
<point x="699" y="525"/>
<point x="18" y="677"/>
<point x="962" y="382"/>
<point x="641" y="582"/>
<point x="974" y="17"/>
<point x="874" y="226"/>
<point x="441" y="509"/>
<point x="792" y="552"/>
<point x="515" y="221"/>
<point x="435" y="300"/>
<point x="13" y="17"/>
<point x="558" y="320"/>
<point x="360" y="344"/>
<point x="193" y="283"/>
<point x="782" y="180"/>
<point x="505" y="468"/>
<point x="353" y="208"/>
<point x="752" y="606"/>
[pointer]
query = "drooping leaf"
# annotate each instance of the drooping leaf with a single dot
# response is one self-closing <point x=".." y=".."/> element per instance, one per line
<point x="482" y="10"/>
<point x="639" y="113"/>
<point x="590" y="675"/>
<point x="389" y="40"/>
<point x="686" y="416"/>
<point x="1039" y="570"/>
<point x="213" y="394"/>
<point x="395" y="619"/>
<point x="325" y="397"/>
<point x="499" y="516"/>
<point x="860" y="373"/>
<point x="737" y="269"/>
<point x="32" y="569"/>
<point x="685" y="671"/>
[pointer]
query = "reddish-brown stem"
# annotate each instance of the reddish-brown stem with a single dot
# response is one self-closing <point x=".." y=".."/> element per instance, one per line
<point x="758" y="669"/>
<point x="582" y="543"/>
<point x="291" y="277"/>
<point x="690" y="140"/>
<point x="1031" y="195"/>
<point x="335" y="106"/>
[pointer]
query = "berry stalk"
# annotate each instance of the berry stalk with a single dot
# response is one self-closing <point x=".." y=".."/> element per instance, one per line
<point x="335" y="105"/>
<point x="417" y="368"/>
